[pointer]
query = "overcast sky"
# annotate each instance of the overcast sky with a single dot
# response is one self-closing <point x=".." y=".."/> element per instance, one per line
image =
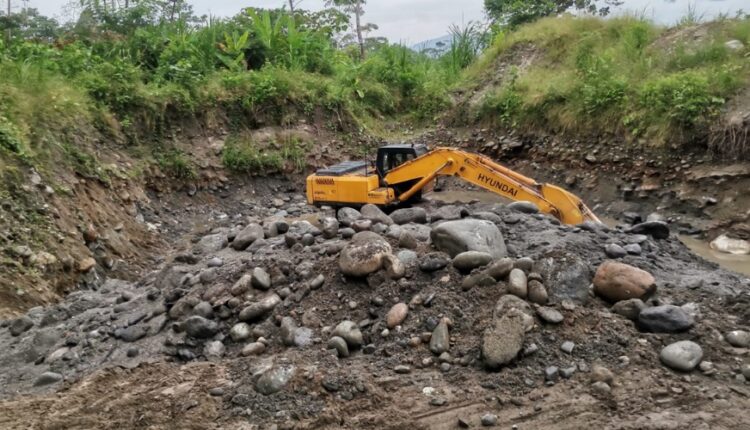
<point x="412" y="21"/>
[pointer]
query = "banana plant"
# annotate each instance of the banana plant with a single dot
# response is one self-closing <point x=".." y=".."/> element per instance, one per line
<point x="232" y="51"/>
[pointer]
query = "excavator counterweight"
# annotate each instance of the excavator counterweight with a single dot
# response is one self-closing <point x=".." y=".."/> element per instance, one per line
<point x="403" y="172"/>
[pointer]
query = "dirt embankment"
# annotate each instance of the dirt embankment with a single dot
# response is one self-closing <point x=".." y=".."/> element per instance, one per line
<point x="698" y="194"/>
<point x="71" y="226"/>
<point x="700" y="185"/>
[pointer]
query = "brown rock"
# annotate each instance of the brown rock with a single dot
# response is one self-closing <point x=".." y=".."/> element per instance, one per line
<point x="90" y="235"/>
<point x="602" y="374"/>
<point x="242" y="286"/>
<point x="617" y="281"/>
<point x="365" y="254"/>
<point x="86" y="264"/>
<point x="396" y="315"/>
<point x="537" y="292"/>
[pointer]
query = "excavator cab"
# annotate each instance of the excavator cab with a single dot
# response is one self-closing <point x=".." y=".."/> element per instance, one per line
<point x="392" y="156"/>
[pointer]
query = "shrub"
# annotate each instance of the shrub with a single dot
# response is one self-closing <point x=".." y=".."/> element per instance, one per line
<point x="505" y="105"/>
<point x="175" y="163"/>
<point x="599" y="88"/>
<point x="9" y="139"/>
<point x="115" y="84"/>
<point x="684" y="99"/>
<point x="243" y="156"/>
<point x="690" y="57"/>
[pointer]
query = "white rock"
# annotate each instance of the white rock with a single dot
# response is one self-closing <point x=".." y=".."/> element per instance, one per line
<point x="683" y="355"/>
<point x="728" y="245"/>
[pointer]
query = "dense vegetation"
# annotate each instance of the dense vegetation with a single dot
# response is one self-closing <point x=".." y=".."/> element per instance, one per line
<point x="135" y="73"/>
<point x="621" y="75"/>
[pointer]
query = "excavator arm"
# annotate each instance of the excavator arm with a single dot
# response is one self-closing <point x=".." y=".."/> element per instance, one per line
<point x="482" y="171"/>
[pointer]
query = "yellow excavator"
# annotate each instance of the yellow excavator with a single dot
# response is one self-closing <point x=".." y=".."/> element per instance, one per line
<point x="403" y="172"/>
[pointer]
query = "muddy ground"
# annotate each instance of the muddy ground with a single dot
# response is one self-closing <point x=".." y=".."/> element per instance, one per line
<point x="120" y="354"/>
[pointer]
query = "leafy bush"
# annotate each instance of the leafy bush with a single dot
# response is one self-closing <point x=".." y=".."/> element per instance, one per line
<point x="175" y="163"/>
<point x="685" y="57"/>
<point x="685" y="99"/>
<point x="593" y="75"/>
<point x="599" y="88"/>
<point x="9" y="139"/>
<point x="115" y="84"/>
<point x="242" y="155"/>
<point x="505" y="105"/>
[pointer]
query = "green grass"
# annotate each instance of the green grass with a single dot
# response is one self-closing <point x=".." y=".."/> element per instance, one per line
<point x="175" y="163"/>
<point x="243" y="155"/>
<point x="125" y="82"/>
<point x="621" y="75"/>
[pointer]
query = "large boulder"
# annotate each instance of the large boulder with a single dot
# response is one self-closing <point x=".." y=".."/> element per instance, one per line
<point x="618" y="281"/>
<point x="420" y="232"/>
<point x="407" y="215"/>
<point x="274" y="379"/>
<point x="567" y="277"/>
<point x="303" y="227"/>
<point x="247" y="236"/>
<point x="211" y="243"/>
<point x="448" y="213"/>
<point x="503" y="340"/>
<point x="374" y="214"/>
<point x="729" y="245"/>
<point x="365" y="254"/>
<point x="199" y="327"/>
<point x="524" y="207"/>
<point x="350" y="332"/>
<point x="683" y="355"/>
<point x="329" y="226"/>
<point x="260" y="308"/>
<point x="470" y="260"/>
<point x="655" y="229"/>
<point x="665" y="319"/>
<point x="347" y="216"/>
<point x="455" y="237"/>
<point x="20" y="325"/>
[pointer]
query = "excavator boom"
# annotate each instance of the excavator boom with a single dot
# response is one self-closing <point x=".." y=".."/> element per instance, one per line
<point x="402" y="182"/>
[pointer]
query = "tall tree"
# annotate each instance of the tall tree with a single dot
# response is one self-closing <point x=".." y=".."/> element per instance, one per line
<point x="356" y="8"/>
<point x="517" y="12"/>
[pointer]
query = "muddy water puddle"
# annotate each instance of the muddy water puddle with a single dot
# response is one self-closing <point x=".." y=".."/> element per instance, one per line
<point x="736" y="263"/>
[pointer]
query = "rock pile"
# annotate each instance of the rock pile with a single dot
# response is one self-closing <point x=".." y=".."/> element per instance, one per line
<point x="462" y="290"/>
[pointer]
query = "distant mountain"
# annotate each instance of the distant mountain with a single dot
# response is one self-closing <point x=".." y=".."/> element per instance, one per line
<point x="434" y="46"/>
